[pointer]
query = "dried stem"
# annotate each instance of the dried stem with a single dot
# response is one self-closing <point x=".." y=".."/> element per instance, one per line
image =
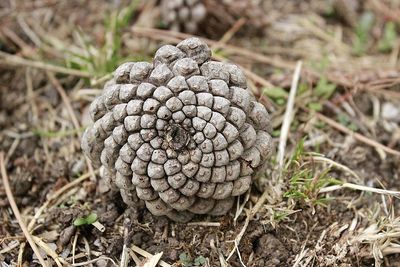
<point x="16" y="212"/>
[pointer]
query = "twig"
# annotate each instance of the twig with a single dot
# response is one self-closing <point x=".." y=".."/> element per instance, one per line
<point x="20" y="254"/>
<point x="50" y="252"/>
<point x="71" y="113"/>
<point x="240" y="207"/>
<point x="88" y="251"/>
<point x="16" y="212"/>
<point x="53" y="197"/>
<point x="19" y="61"/>
<point x="287" y="119"/>
<point x="148" y="255"/>
<point x="338" y="165"/>
<point x="360" y="188"/>
<point x="357" y="136"/>
<point x="240" y="256"/>
<point x="320" y="33"/>
<point x="239" y="236"/>
<point x="221" y="258"/>
<point x="386" y="11"/>
<point x="258" y="79"/>
<point x="231" y="32"/>
<point x="99" y="226"/>
<point x="25" y="48"/>
<point x="127" y="241"/>
<point x="175" y="37"/>
<point x="12" y="149"/>
<point x="11" y="246"/>
<point x="206" y="224"/>
<point x="282" y="145"/>
<point x="28" y="31"/>
<point x="93" y="261"/>
<point x="153" y="260"/>
<point x="65" y="99"/>
<point x="74" y="242"/>
<point x="134" y="257"/>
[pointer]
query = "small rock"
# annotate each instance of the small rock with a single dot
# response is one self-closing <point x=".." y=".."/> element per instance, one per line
<point x="103" y="263"/>
<point x="391" y="111"/>
<point x="66" y="235"/>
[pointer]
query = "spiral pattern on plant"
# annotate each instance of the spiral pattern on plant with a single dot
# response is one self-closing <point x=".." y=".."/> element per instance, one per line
<point x="183" y="133"/>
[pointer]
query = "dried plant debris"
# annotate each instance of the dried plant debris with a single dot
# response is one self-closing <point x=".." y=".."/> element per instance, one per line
<point x="182" y="133"/>
<point x="223" y="15"/>
<point x="183" y="15"/>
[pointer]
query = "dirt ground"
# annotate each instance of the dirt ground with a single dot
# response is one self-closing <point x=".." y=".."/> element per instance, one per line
<point x="334" y="202"/>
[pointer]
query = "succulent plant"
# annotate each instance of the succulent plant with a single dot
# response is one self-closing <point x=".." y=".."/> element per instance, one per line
<point x="182" y="15"/>
<point x="182" y="133"/>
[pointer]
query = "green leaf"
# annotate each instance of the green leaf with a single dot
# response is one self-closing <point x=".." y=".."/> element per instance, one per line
<point x="185" y="259"/>
<point x="389" y="37"/>
<point x="322" y="64"/>
<point x="280" y="101"/>
<point x="315" y="106"/>
<point x="363" y="33"/>
<point x="199" y="261"/>
<point x="345" y="120"/>
<point x="324" y="88"/>
<point x="80" y="221"/>
<point x="91" y="218"/>
<point x="276" y="133"/>
<point x="276" y="92"/>
<point x="320" y="124"/>
<point x="352" y="127"/>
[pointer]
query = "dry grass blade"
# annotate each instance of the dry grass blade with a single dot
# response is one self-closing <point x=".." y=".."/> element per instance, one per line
<point x="125" y="248"/>
<point x="99" y="226"/>
<point x="385" y="10"/>
<point x="360" y="188"/>
<point x="56" y="195"/>
<point x="382" y="236"/>
<point x="239" y="255"/>
<point x="59" y="261"/>
<point x="71" y="113"/>
<point x="153" y="261"/>
<point x="357" y="136"/>
<point x="65" y="99"/>
<point x="19" y="61"/>
<point x="231" y="32"/>
<point x="16" y="212"/>
<point x="175" y="37"/>
<point x="86" y="263"/>
<point x="239" y="236"/>
<point x="282" y="145"/>
<point x="148" y="255"/>
<point x="337" y="165"/>
<point x="287" y="119"/>
<point x="206" y="224"/>
<point x="10" y="247"/>
<point x="134" y="257"/>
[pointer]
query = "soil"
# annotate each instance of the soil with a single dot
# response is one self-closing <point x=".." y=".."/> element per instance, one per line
<point x="43" y="155"/>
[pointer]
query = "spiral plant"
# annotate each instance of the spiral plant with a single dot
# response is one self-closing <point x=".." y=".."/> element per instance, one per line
<point x="183" y="133"/>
